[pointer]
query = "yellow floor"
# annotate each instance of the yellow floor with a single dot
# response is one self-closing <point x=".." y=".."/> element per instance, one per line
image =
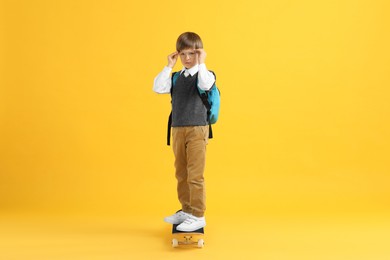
<point x="38" y="236"/>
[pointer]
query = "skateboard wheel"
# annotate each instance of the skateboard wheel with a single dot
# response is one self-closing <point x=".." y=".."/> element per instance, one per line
<point x="200" y="243"/>
<point x="175" y="243"/>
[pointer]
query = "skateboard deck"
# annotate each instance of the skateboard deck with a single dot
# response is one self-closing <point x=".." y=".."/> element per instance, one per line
<point x="193" y="238"/>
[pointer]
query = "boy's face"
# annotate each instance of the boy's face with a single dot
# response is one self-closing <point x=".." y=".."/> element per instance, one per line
<point x="188" y="57"/>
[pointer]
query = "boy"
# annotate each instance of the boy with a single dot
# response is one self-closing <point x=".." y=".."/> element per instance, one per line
<point x="189" y="128"/>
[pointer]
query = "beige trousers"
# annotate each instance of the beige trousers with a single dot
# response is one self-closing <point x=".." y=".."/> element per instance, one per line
<point x="189" y="148"/>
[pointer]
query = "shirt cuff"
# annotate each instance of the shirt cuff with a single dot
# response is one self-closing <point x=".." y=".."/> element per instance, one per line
<point x="167" y="69"/>
<point x="202" y="66"/>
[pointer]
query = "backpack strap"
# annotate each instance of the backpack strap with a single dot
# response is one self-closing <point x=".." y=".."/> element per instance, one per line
<point x="169" y="129"/>
<point x="204" y="97"/>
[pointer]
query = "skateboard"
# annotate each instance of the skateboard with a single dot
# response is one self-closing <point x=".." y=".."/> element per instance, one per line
<point x="193" y="238"/>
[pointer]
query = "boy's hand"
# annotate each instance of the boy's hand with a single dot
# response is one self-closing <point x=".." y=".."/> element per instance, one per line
<point x="201" y="55"/>
<point x="172" y="58"/>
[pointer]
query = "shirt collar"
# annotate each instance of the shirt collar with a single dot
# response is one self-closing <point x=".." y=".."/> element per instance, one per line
<point x="192" y="70"/>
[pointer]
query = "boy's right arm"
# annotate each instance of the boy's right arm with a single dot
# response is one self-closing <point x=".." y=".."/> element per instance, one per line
<point x="162" y="83"/>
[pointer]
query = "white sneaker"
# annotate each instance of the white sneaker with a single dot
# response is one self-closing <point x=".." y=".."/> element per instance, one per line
<point x="192" y="223"/>
<point x="177" y="218"/>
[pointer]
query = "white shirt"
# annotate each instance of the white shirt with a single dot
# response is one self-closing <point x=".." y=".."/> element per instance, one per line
<point x="162" y="82"/>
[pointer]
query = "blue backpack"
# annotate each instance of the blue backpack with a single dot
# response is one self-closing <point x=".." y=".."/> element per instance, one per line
<point x="210" y="99"/>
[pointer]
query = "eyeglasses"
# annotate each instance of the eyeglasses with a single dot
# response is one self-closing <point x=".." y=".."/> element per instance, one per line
<point x="189" y="53"/>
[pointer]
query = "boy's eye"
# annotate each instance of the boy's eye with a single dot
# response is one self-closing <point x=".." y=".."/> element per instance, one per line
<point x="189" y="53"/>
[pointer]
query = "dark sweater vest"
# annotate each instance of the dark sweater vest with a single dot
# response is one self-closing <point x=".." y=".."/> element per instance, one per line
<point x="187" y="107"/>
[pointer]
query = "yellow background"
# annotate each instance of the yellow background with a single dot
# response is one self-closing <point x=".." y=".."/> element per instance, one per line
<point x="303" y="132"/>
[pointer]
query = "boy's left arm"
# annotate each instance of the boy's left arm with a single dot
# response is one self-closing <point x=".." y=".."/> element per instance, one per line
<point x="206" y="79"/>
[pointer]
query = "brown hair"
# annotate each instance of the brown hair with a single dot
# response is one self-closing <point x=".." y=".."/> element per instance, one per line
<point x="188" y="40"/>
